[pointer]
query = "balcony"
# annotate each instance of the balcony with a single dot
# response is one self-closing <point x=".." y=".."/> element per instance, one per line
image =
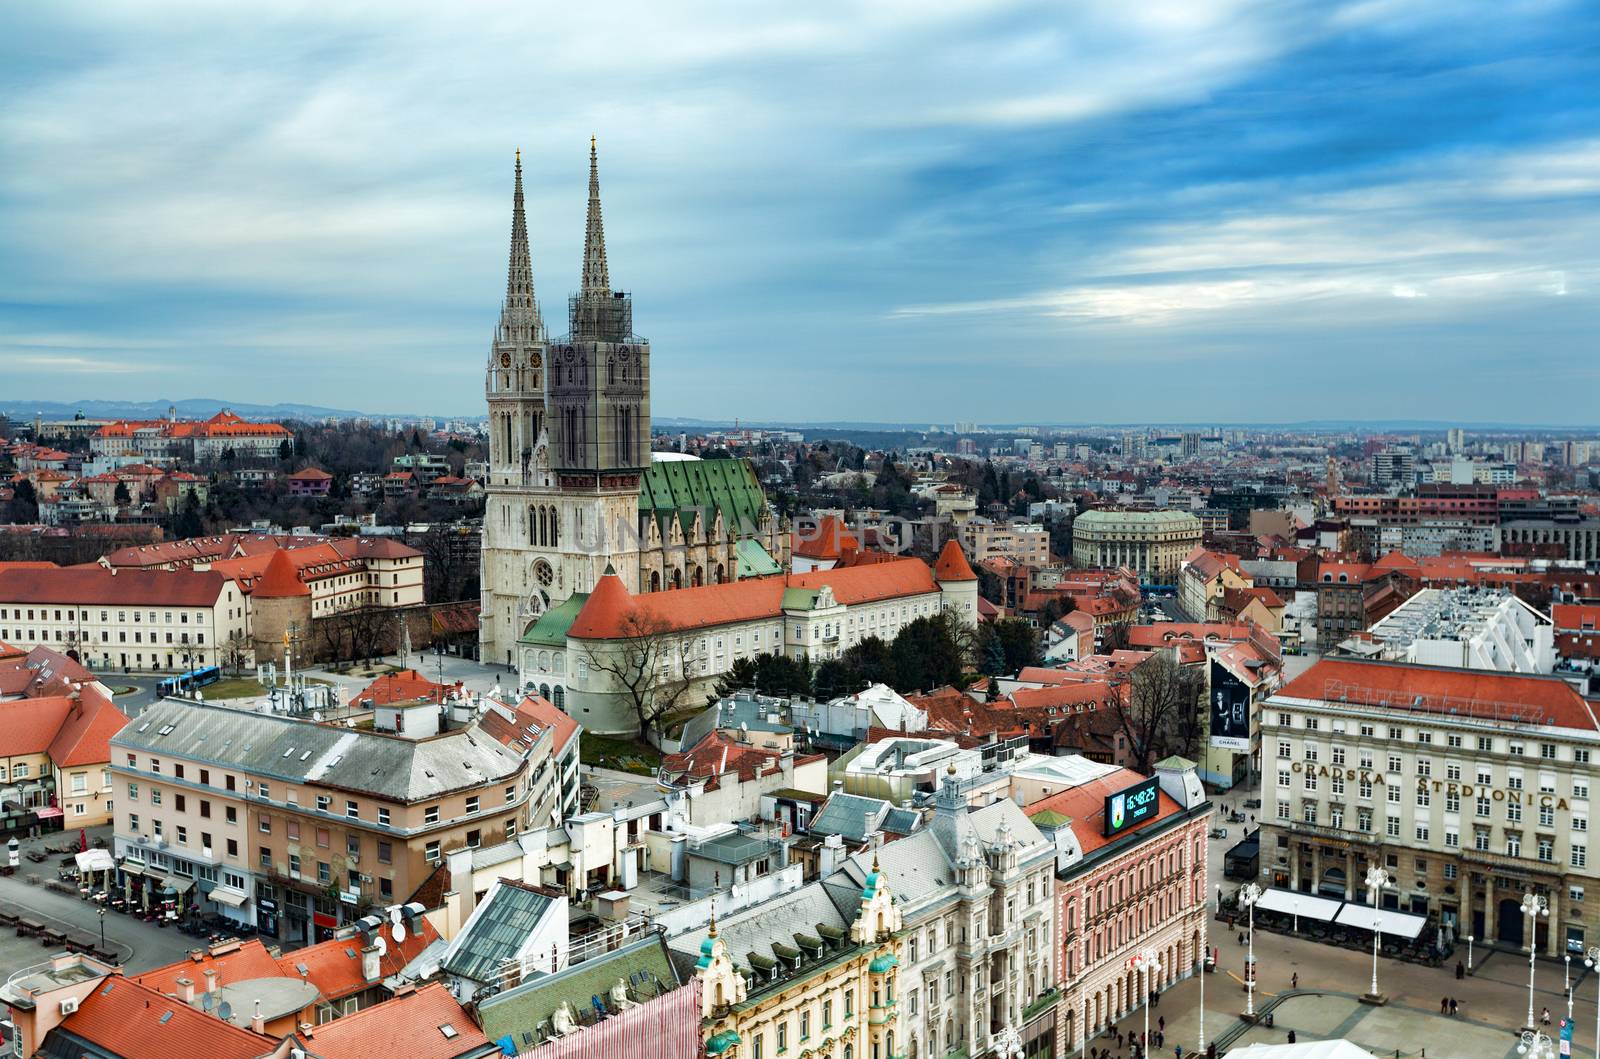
<point x="1041" y="1003"/>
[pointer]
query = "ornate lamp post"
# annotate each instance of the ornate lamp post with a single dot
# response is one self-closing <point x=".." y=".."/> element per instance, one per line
<point x="1144" y="962"/>
<point x="1249" y="894"/>
<point x="1536" y="1045"/>
<point x="1377" y="880"/>
<point x="1205" y="957"/>
<point x="1470" y="940"/>
<point x="1294" y="905"/>
<point x="1533" y="906"/>
<point x="1566" y="979"/>
<point x="1591" y="960"/>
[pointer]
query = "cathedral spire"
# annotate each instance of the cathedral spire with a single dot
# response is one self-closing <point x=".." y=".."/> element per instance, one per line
<point x="596" y="278"/>
<point x="519" y="316"/>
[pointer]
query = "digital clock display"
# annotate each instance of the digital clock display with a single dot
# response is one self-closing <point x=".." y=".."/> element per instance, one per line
<point x="1132" y="806"/>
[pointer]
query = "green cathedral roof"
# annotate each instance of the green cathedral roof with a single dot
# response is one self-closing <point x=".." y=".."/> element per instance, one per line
<point x="550" y="628"/>
<point x="717" y="487"/>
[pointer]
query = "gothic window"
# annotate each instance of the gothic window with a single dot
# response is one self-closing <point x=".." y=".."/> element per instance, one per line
<point x="655" y="580"/>
<point x="677" y="578"/>
<point x="611" y="370"/>
<point x="721" y="574"/>
<point x="697" y="579"/>
<point x="544" y="532"/>
<point x="555" y="528"/>
<point x="558" y="695"/>
<point x="535" y="517"/>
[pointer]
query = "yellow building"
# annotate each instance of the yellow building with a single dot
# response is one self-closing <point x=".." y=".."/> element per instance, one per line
<point x="55" y="756"/>
<point x="811" y="974"/>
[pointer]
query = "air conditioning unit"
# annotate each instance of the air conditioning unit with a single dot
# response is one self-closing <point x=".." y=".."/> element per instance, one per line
<point x="69" y="1005"/>
<point x="366" y="879"/>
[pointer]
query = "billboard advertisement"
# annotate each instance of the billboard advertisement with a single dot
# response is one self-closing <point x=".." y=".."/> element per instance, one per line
<point x="1230" y="711"/>
<point x="1132" y="806"/>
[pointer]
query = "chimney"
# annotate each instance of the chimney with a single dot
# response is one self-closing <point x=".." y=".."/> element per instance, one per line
<point x="186" y="990"/>
<point x="211" y="981"/>
<point x="257" y="1023"/>
<point x="369" y="963"/>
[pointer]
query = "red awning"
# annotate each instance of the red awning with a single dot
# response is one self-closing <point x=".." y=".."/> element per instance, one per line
<point x="50" y="812"/>
<point x="322" y="920"/>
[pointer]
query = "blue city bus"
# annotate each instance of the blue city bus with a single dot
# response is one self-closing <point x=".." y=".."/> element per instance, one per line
<point x="188" y="682"/>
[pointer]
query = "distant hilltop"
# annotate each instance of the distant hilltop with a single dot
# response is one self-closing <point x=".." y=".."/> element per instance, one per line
<point x="189" y="408"/>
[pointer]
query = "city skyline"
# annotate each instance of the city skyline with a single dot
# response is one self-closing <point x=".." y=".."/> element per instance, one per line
<point x="1281" y="214"/>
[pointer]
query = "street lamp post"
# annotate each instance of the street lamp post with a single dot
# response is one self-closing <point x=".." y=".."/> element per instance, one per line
<point x="1249" y="894"/>
<point x="102" y="929"/>
<point x="1469" y="953"/>
<point x="1377" y="879"/>
<point x="1536" y="1045"/>
<point x="1566" y="979"/>
<point x="1591" y="960"/>
<point x="1533" y="906"/>
<point x="1205" y="956"/>
<point x="1144" y="961"/>
<point x="1294" y="904"/>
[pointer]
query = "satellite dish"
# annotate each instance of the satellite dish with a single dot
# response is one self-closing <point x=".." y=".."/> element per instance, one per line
<point x="225" y="1012"/>
<point x="394" y="914"/>
<point x="399" y="933"/>
<point x="206" y="1001"/>
<point x="381" y="945"/>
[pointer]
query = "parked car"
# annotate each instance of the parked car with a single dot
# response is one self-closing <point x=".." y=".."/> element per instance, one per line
<point x="1252" y="803"/>
<point x="1219" y="832"/>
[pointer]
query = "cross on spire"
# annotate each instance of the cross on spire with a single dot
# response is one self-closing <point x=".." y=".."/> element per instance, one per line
<point x="519" y="316"/>
<point x="596" y="277"/>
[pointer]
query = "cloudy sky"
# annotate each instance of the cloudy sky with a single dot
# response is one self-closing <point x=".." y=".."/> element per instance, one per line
<point x="909" y="210"/>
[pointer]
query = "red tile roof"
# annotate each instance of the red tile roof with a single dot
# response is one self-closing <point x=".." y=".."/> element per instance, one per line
<point x="310" y="474"/>
<point x="337" y="974"/>
<point x="826" y="540"/>
<point x="611" y="612"/>
<point x="94" y="585"/>
<point x="952" y="564"/>
<point x="1429" y="689"/>
<point x="717" y="754"/>
<point x="405" y="685"/>
<point x="136" y="1022"/>
<point x="86" y="731"/>
<point x="280" y="580"/>
<point x="233" y="963"/>
<point x="408" y="1026"/>
<point x="533" y="714"/>
<point x="31" y="725"/>
<point x="1085" y="805"/>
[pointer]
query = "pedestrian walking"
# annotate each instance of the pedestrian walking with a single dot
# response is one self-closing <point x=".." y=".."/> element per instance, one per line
<point x="1177" y="1051"/>
<point x="1544" y="1016"/>
<point x="1241" y="937"/>
<point x="1461" y="971"/>
<point x="1452" y="1005"/>
<point x="1294" y="980"/>
<point x="1444" y="1005"/>
<point x="1161" y="1023"/>
<point x="1291" y="1037"/>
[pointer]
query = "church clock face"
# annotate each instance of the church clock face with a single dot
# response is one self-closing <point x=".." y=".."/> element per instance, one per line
<point x="505" y="360"/>
<point x="534" y="360"/>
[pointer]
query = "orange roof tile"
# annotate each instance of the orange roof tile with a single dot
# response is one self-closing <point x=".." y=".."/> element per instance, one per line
<point x="952" y="564"/>
<point x="406" y="685"/>
<point x="31" y="725"/>
<point x="611" y="612"/>
<point x="250" y="959"/>
<point x="336" y="973"/>
<point x="411" y="1025"/>
<point x="1436" y="689"/>
<point x="86" y="731"/>
<point x="1085" y="805"/>
<point x="280" y="580"/>
<point x="136" y="1022"/>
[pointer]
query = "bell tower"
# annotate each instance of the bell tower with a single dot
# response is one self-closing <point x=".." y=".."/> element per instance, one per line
<point x="600" y="375"/>
<point x="515" y="379"/>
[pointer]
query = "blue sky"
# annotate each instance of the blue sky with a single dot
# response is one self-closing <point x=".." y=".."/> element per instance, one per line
<point x="1174" y="210"/>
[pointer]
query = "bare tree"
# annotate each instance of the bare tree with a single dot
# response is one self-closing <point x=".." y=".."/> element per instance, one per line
<point x="1160" y="711"/>
<point x="1114" y="637"/>
<point x="233" y="652"/>
<point x="650" y="667"/>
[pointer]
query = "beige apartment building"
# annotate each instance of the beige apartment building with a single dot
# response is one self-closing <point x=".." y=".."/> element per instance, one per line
<point x="124" y="619"/>
<point x="1026" y="542"/>
<point x="1470" y="788"/>
<point x="297" y="827"/>
<point x="1153" y="543"/>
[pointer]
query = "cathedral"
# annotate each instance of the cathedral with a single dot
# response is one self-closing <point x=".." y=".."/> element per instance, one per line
<point x="574" y="489"/>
